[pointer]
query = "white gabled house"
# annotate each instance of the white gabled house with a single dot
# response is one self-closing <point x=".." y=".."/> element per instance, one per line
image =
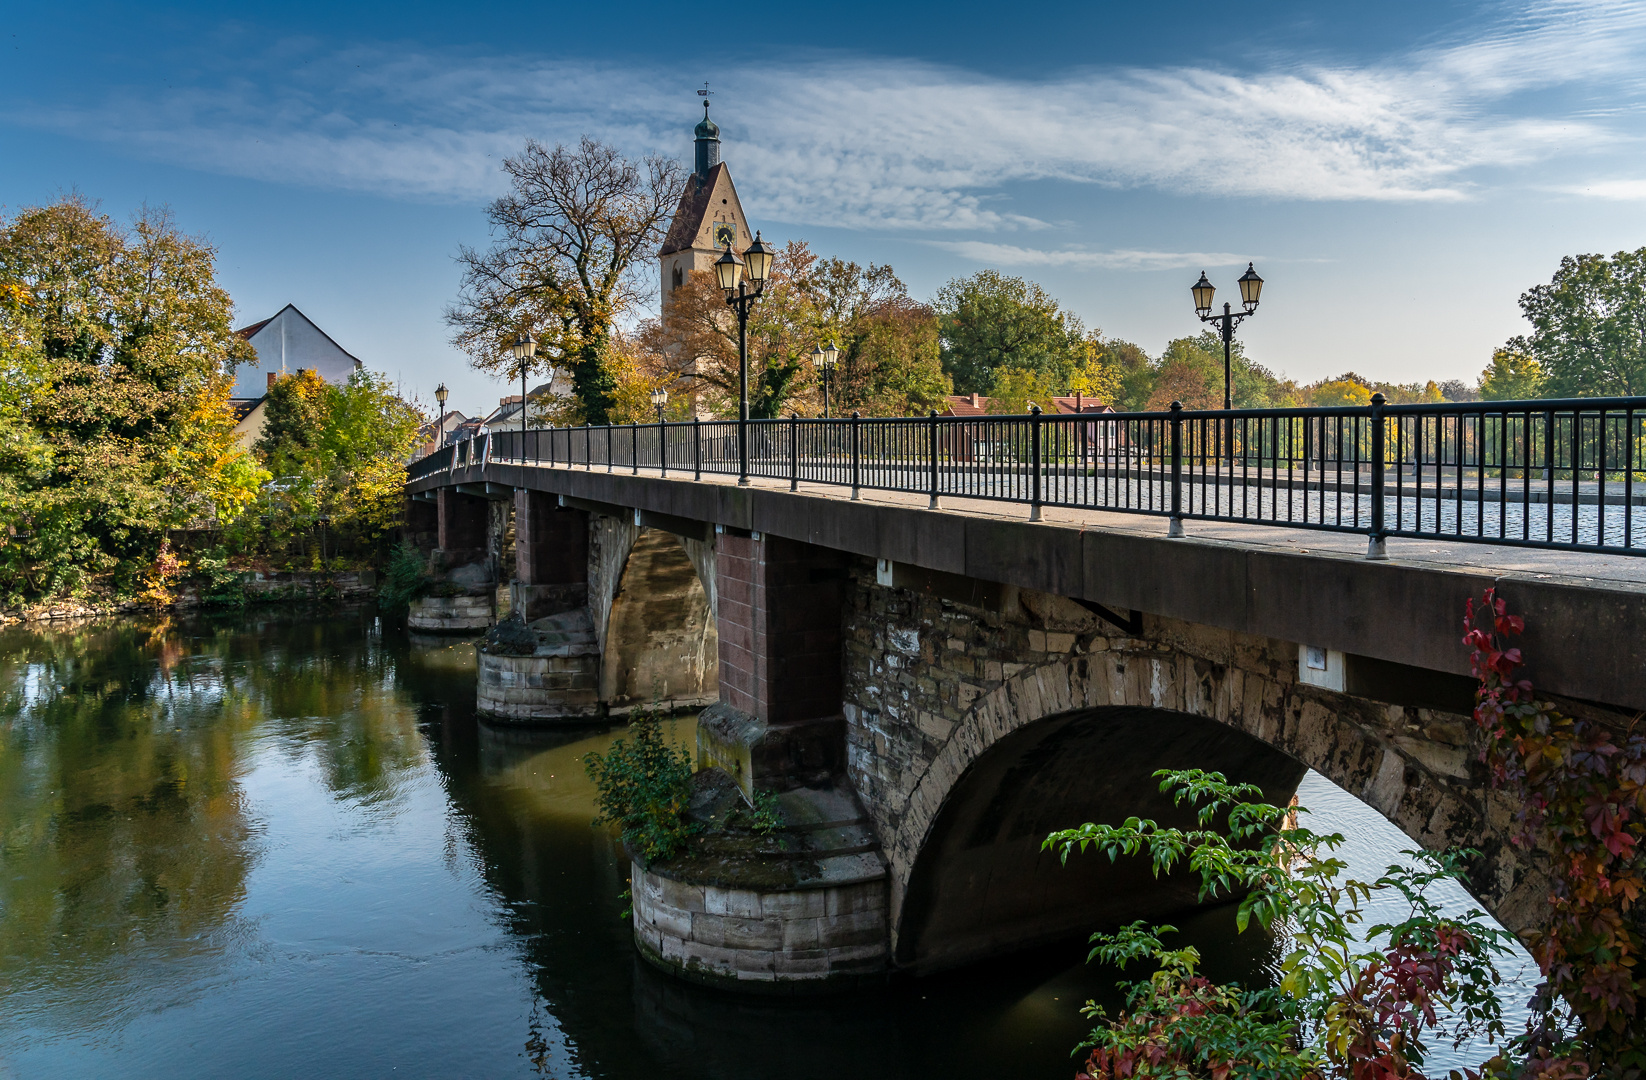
<point x="286" y="343"/>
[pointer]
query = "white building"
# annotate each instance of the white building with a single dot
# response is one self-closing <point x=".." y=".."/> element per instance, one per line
<point x="285" y="343"/>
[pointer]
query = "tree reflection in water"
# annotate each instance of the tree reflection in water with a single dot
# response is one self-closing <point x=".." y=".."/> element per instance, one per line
<point x="283" y="845"/>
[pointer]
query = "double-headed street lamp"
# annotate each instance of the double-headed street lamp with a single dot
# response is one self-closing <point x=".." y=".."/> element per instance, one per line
<point x="734" y="275"/>
<point x="824" y="357"/>
<point x="660" y="398"/>
<point x="1251" y="287"/>
<point x="523" y="348"/>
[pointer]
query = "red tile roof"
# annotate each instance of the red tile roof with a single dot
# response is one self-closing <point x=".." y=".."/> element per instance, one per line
<point x="966" y="405"/>
<point x="689" y="215"/>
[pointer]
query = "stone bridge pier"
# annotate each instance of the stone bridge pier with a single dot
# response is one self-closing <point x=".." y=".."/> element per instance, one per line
<point x="616" y="613"/>
<point x="464" y="560"/>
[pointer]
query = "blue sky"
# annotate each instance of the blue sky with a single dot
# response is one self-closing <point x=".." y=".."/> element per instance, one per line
<point x="1400" y="172"/>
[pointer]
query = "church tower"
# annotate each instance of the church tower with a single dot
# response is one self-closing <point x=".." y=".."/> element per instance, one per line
<point x="709" y="216"/>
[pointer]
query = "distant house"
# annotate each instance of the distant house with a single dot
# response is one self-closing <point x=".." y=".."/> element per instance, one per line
<point x="286" y="343"/>
<point x="965" y="405"/>
<point x="248" y="420"/>
<point x="967" y="444"/>
<point x="437" y="433"/>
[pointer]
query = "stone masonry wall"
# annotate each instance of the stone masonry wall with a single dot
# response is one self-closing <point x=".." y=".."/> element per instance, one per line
<point x="780" y="940"/>
<point x="931" y="684"/>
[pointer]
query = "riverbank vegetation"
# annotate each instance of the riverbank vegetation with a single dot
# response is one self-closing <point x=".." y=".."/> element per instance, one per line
<point x="1370" y="1003"/>
<point x="122" y="476"/>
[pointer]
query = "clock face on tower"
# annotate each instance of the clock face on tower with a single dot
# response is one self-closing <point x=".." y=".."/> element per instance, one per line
<point x="725" y="234"/>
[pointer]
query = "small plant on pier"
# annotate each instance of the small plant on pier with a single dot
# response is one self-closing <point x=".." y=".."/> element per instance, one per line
<point x="642" y="785"/>
<point x="1342" y="1008"/>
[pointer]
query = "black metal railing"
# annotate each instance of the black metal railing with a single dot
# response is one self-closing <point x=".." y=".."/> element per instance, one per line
<point x="1559" y="474"/>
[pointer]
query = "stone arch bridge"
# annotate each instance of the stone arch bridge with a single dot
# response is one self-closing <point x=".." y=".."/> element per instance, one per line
<point x="950" y="685"/>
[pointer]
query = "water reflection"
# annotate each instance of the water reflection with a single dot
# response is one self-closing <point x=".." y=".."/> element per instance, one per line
<point x="283" y="845"/>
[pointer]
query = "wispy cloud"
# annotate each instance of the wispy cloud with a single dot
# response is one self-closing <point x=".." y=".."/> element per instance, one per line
<point x="1616" y="190"/>
<point x="922" y="147"/>
<point x="1011" y="255"/>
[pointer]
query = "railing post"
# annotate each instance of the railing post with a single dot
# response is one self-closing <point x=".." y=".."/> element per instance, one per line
<point x="697" y="448"/>
<point x="662" y="448"/>
<point x="857" y="490"/>
<point x="1174" y="526"/>
<point x="1377" y="545"/>
<point x="610" y="457"/>
<point x="1034" y="462"/>
<point x="634" y="447"/>
<point x="931" y="445"/>
<point x="794" y="451"/>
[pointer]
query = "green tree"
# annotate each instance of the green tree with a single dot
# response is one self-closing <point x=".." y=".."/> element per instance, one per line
<point x="1588" y="326"/>
<point x="118" y="354"/>
<point x="336" y="452"/>
<point x="1133" y="372"/>
<point x="1511" y="377"/>
<point x="573" y="238"/>
<point x="990" y="322"/>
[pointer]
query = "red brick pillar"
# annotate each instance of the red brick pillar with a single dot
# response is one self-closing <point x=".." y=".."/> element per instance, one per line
<point x="779" y="615"/>
<point x="551" y="555"/>
<point x="463" y="525"/>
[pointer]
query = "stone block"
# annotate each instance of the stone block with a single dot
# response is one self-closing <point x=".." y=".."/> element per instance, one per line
<point x="679" y="895"/>
<point x="715" y="958"/>
<point x="671" y="921"/>
<point x="860" y="929"/>
<point x="794" y="904"/>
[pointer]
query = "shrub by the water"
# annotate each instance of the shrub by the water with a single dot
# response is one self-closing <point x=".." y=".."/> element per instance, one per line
<point x="404" y="580"/>
<point x="643" y="785"/>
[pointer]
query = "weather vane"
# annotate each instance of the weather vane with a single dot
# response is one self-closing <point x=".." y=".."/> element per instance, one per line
<point x="704" y="94"/>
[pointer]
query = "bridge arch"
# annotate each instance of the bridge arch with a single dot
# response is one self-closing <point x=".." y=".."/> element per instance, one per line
<point x="655" y="619"/>
<point x="1108" y="713"/>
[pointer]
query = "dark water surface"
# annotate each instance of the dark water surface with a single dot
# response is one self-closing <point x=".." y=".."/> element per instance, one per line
<point x="281" y="846"/>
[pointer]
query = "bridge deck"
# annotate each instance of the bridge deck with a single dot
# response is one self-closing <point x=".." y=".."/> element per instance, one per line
<point x="1586" y="612"/>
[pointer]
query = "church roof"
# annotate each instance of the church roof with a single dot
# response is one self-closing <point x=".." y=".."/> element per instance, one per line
<point x="695" y="203"/>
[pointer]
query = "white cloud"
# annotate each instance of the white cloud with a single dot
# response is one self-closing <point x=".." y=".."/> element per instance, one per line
<point x="1011" y="255"/>
<point x="916" y="146"/>
<point x="1617" y="190"/>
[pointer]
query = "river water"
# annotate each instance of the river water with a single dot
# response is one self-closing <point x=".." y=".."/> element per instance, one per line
<point x="281" y="845"/>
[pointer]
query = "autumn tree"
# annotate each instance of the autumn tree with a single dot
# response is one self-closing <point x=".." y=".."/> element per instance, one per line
<point x="1191" y="370"/>
<point x="695" y="341"/>
<point x="888" y="366"/>
<point x="571" y="243"/>
<point x="118" y="355"/>
<point x="890" y="351"/>
<point x="1588" y="327"/>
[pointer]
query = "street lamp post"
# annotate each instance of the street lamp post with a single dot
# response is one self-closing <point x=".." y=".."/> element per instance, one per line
<point x="660" y="398"/>
<point x="730" y="271"/>
<point x="523" y="348"/>
<point x="1251" y="287"/>
<point x="440" y="395"/>
<point x="823" y="358"/>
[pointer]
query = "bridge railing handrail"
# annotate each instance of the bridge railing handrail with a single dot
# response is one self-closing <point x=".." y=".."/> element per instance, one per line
<point x="1548" y="473"/>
